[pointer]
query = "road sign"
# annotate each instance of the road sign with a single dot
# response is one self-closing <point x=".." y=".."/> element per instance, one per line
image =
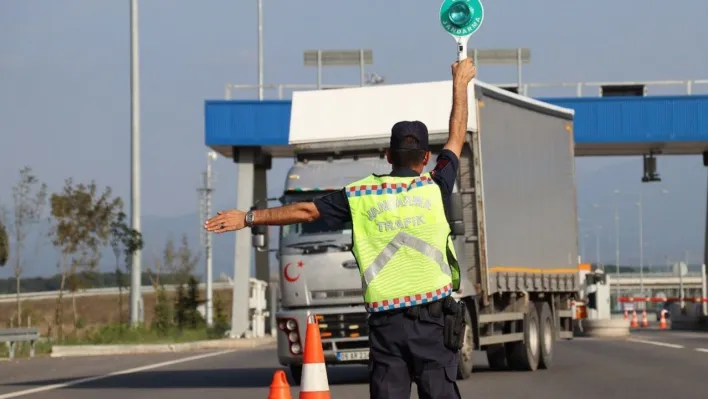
<point x="461" y="19"/>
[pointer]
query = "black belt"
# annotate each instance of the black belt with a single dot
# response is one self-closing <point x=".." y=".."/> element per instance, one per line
<point x="435" y="309"/>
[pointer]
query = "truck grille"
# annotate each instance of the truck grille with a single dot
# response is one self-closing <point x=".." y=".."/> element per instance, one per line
<point x="331" y="294"/>
<point x="343" y="325"/>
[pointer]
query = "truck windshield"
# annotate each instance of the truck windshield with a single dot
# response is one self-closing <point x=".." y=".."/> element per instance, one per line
<point x="316" y="227"/>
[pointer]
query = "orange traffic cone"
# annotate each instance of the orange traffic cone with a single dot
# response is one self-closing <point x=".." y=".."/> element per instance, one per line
<point x="662" y="321"/>
<point x="314" y="383"/>
<point x="626" y="314"/>
<point x="635" y="323"/>
<point x="645" y="321"/>
<point x="279" y="388"/>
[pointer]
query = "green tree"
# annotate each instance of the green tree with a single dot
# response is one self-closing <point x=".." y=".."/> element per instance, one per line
<point x="185" y="262"/>
<point x="124" y="241"/>
<point x="82" y="226"/>
<point x="221" y="321"/>
<point x="180" y="307"/>
<point x="163" y="311"/>
<point x="29" y="198"/>
<point x="4" y="244"/>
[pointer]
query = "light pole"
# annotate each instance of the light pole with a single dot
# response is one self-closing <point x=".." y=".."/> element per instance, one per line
<point x="205" y="207"/>
<point x="597" y="246"/>
<point x="260" y="50"/>
<point x="135" y="267"/>
<point x="597" y="239"/>
<point x="640" y="207"/>
<point x="617" y="247"/>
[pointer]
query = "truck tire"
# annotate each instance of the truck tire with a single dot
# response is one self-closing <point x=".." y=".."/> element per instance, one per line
<point x="496" y="357"/>
<point x="465" y="354"/>
<point x="547" y="334"/>
<point x="524" y="355"/>
<point x="296" y="373"/>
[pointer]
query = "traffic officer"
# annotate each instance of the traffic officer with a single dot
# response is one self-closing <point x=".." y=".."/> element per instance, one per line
<point x="401" y="242"/>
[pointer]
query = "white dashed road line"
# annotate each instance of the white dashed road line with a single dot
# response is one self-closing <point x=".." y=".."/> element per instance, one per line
<point x="115" y="373"/>
<point x="643" y="341"/>
<point x="701" y="350"/>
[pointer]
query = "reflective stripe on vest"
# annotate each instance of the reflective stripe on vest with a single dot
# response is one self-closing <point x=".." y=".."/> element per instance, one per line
<point x="394" y="214"/>
<point x="400" y="240"/>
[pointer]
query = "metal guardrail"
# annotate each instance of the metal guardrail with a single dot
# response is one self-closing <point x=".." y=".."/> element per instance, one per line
<point x="654" y="275"/>
<point x="12" y="336"/>
<point x="687" y="85"/>
<point x="258" y="308"/>
<point x="35" y="296"/>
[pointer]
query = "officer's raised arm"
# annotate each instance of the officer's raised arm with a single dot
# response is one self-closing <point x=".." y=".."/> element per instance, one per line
<point x="462" y="73"/>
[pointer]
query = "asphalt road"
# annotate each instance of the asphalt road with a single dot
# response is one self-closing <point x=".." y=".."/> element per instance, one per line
<point x="650" y="364"/>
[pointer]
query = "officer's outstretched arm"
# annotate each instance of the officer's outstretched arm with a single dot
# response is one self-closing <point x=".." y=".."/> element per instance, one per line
<point x="234" y="220"/>
<point x="299" y="212"/>
<point x="462" y="73"/>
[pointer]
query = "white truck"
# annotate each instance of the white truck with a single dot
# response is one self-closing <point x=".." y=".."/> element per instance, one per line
<point x="513" y="218"/>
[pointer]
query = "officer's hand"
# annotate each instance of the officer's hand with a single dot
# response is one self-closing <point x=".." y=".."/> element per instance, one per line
<point x="226" y="221"/>
<point x="463" y="71"/>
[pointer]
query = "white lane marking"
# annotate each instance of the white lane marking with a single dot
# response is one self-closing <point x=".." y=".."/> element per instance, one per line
<point x="701" y="350"/>
<point x="113" y="374"/>
<point x="641" y="341"/>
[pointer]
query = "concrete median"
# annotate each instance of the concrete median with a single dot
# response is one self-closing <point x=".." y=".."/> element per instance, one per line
<point x="608" y="328"/>
<point x="104" y="350"/>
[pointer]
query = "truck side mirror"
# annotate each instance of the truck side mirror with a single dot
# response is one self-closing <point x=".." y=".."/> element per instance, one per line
<point x="259" y="237"/>
<point x="456" y="220"/>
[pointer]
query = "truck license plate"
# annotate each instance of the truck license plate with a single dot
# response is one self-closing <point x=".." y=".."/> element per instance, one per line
<point x="352" y="356"/>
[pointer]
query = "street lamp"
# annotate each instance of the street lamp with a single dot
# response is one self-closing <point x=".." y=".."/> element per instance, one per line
<point x="320" y="58"/>
<point x="617" y="245"/>
<point x="260" y="50"/>
<point x="640" y="207"/>
<point x="206" y="192"/>
<point x="597" y="240"/>
<point x="135" y="267"/>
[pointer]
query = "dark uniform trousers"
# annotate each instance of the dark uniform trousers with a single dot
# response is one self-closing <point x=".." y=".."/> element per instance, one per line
<point x="406" y="345"/>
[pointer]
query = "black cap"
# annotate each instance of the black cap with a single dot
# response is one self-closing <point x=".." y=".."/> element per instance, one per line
<point x="403" y="129"/>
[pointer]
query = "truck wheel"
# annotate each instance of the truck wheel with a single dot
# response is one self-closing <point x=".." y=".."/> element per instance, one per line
<point x="296" y="372"/>
<point x="496" y="357"/>
<point x="547" y="334"/>
<point x="524" y="355"/>
<point x="465" y="354"/>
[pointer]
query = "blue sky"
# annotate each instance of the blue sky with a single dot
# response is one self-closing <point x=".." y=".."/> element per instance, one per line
<point x="64" y="71"/>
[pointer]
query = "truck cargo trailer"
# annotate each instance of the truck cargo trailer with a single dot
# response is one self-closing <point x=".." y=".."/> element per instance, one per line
<point x="513" y="218"/>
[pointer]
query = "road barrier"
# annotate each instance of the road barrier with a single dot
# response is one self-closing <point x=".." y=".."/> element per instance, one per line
<point x="607" y="328"/>
<point x="12" y="336"/>
<point x="146" y="289"/>
<point x="625" y="299"/>
<point x="258" y="306"/>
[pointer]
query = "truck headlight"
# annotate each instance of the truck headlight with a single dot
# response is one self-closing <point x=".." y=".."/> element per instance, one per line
<point x="291" y="325"/>
<point x="295" y="348"/>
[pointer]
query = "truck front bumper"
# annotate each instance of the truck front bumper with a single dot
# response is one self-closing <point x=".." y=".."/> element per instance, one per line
<point x="344" y="332"/>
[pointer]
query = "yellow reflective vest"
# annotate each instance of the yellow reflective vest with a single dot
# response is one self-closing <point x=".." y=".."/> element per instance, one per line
<point x="401" y="241"/>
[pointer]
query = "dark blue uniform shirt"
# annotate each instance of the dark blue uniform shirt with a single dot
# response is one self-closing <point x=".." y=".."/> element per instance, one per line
<point x="334" y="208"/>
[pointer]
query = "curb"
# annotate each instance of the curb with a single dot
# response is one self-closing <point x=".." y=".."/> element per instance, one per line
<point x="104" y="350"/>
<point x="610" y="328"/>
